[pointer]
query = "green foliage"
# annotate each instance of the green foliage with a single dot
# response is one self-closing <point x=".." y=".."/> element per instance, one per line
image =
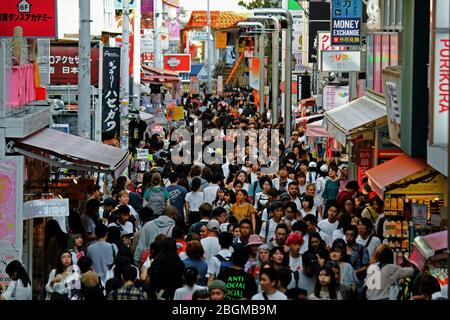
<point x="255" y="4"/>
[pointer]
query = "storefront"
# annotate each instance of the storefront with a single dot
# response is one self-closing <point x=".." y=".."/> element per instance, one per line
<point x="46" y="174"/>
<point x="354" y="127"/>
<point x="415" y="199"/>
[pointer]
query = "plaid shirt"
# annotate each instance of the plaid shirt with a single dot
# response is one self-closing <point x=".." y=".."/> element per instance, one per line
<point x="128" y="292"/>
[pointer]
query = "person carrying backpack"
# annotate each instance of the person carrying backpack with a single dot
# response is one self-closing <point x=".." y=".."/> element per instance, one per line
<point x="156" y="197"/>
<point x="222" y="259"/>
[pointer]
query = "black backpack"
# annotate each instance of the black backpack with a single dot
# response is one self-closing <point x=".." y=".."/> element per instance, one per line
<point x="225" y="263"/>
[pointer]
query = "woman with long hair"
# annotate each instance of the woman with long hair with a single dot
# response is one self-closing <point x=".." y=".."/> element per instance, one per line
<point x="190" y="276"/>
<point x="220" y="199"/>
<point x="166" y="270"/>
<point x="278" y="258"/>
<point x="55" y="240"/>
<point x="19" y="288"/>
<point x="58" y="285"/>
<point x="325" y="286"/>
<point x="75" y="247"/>
<point x="242" y="209"/>
<point x="315" y="243"/>
<point x="339" y="254"/>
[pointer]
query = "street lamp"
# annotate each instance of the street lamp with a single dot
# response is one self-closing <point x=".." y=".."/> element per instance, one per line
<point x="288" y="70"/>
<point x="275" y="61"/>
<point x="261" y="59"/>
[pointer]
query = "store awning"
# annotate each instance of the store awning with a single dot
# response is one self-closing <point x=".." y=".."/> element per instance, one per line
<point x="158" y="76"/>
<point x="220" y="20"/>
<point x="316" y="129"/>
<point x="343" y="120"/>
<point x="392" y="171"/>
<point x="87" y="155"/>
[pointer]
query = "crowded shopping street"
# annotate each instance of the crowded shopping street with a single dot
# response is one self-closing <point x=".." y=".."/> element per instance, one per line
<point x="195" y="150"/>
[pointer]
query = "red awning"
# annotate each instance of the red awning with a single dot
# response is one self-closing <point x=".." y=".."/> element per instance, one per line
<point x="392" y="171"/>
<point x="316" y="129"/>
<point x="158" y="76"/>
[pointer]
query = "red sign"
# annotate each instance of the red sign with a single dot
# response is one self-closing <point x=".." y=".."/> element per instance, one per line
<point x="294" y="87"/>
<point x="37" y="18"/>
<point x="64" y="65"/>
<point x="177" y="62"/>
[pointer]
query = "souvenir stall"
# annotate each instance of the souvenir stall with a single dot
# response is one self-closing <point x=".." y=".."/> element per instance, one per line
<point x="415" y="200"/>
<point x="317" y="140"/>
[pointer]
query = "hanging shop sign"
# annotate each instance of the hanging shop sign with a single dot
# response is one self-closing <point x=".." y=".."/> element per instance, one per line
<point x="177" y="62"/>
<point x="392" y="92"/>
<point x="163" y="38"/>
<point x="386" y="149"/>
<point x="45" y="208"/>
<point x="324" y="39"/>
<point x="341" y="61"/>
<point x="148" y="42"/>
<point x="313" y="41"/>
<point x="346" y="22"/>
<point x="11" y="195"/>
<point x="199" y="35"/>
<point x="64" y="65"/>
<point x="221" y="40"/>
<point x="440" y="80"/>
<point x="147" y="14"/>
<point x="111" y="90"/>
<point x="297" y="31"/>
<point x="142" y="154"/>
<point x="419" y="214"/>
<point x="37" y="18"/>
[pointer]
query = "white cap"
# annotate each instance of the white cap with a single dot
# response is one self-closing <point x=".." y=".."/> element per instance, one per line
<point x="312" y="164"/>
<point x="324" y="168"/>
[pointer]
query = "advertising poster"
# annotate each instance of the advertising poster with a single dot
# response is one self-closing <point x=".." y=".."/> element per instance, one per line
<point x="419" y="214"/>
<point x="5" y="258"/>
<point x="335" y="96"/>
<point x="11" y="195"/>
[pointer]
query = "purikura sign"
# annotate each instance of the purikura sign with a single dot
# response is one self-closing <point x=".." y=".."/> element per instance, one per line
<point x="441" y="74"/>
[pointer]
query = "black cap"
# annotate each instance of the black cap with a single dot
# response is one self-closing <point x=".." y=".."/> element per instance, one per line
<point x="109" y="202"/>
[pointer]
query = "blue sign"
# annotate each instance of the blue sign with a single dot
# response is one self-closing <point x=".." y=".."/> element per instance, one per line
<point x="346" y="22"/>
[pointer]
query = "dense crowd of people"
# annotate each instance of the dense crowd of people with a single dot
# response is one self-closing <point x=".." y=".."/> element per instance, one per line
<point x="226" y="230"/>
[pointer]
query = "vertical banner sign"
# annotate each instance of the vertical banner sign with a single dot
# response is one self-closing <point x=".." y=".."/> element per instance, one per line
<point x="111" y="87"/>
<point x="440" y="67"/>
<point x="254" y="73"/>
<point x="221" y="40"/>
<point x="147" y="15"/>
<point x="314" y="27"/>
<point x="346" y="22"/>
<point x="220" y="85"/>
<point x="37" y="18"/>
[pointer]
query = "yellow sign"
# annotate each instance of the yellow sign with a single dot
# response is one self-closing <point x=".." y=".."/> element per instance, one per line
<point x="437" y="186"/>
<point x="178" y="113"/>
<point x="221" y="40"/>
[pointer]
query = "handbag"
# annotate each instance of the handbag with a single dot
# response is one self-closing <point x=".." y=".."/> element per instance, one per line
<point x="393" y="291"/>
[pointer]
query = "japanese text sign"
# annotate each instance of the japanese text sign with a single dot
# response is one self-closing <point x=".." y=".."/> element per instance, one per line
<point x="111" y="87"/>
<point x="341" y="61"/>
<point x="64" y="65"/>
<point x="177" y="62"/>
<point x="37" y="18"/>
<point x="346" y="22"/>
